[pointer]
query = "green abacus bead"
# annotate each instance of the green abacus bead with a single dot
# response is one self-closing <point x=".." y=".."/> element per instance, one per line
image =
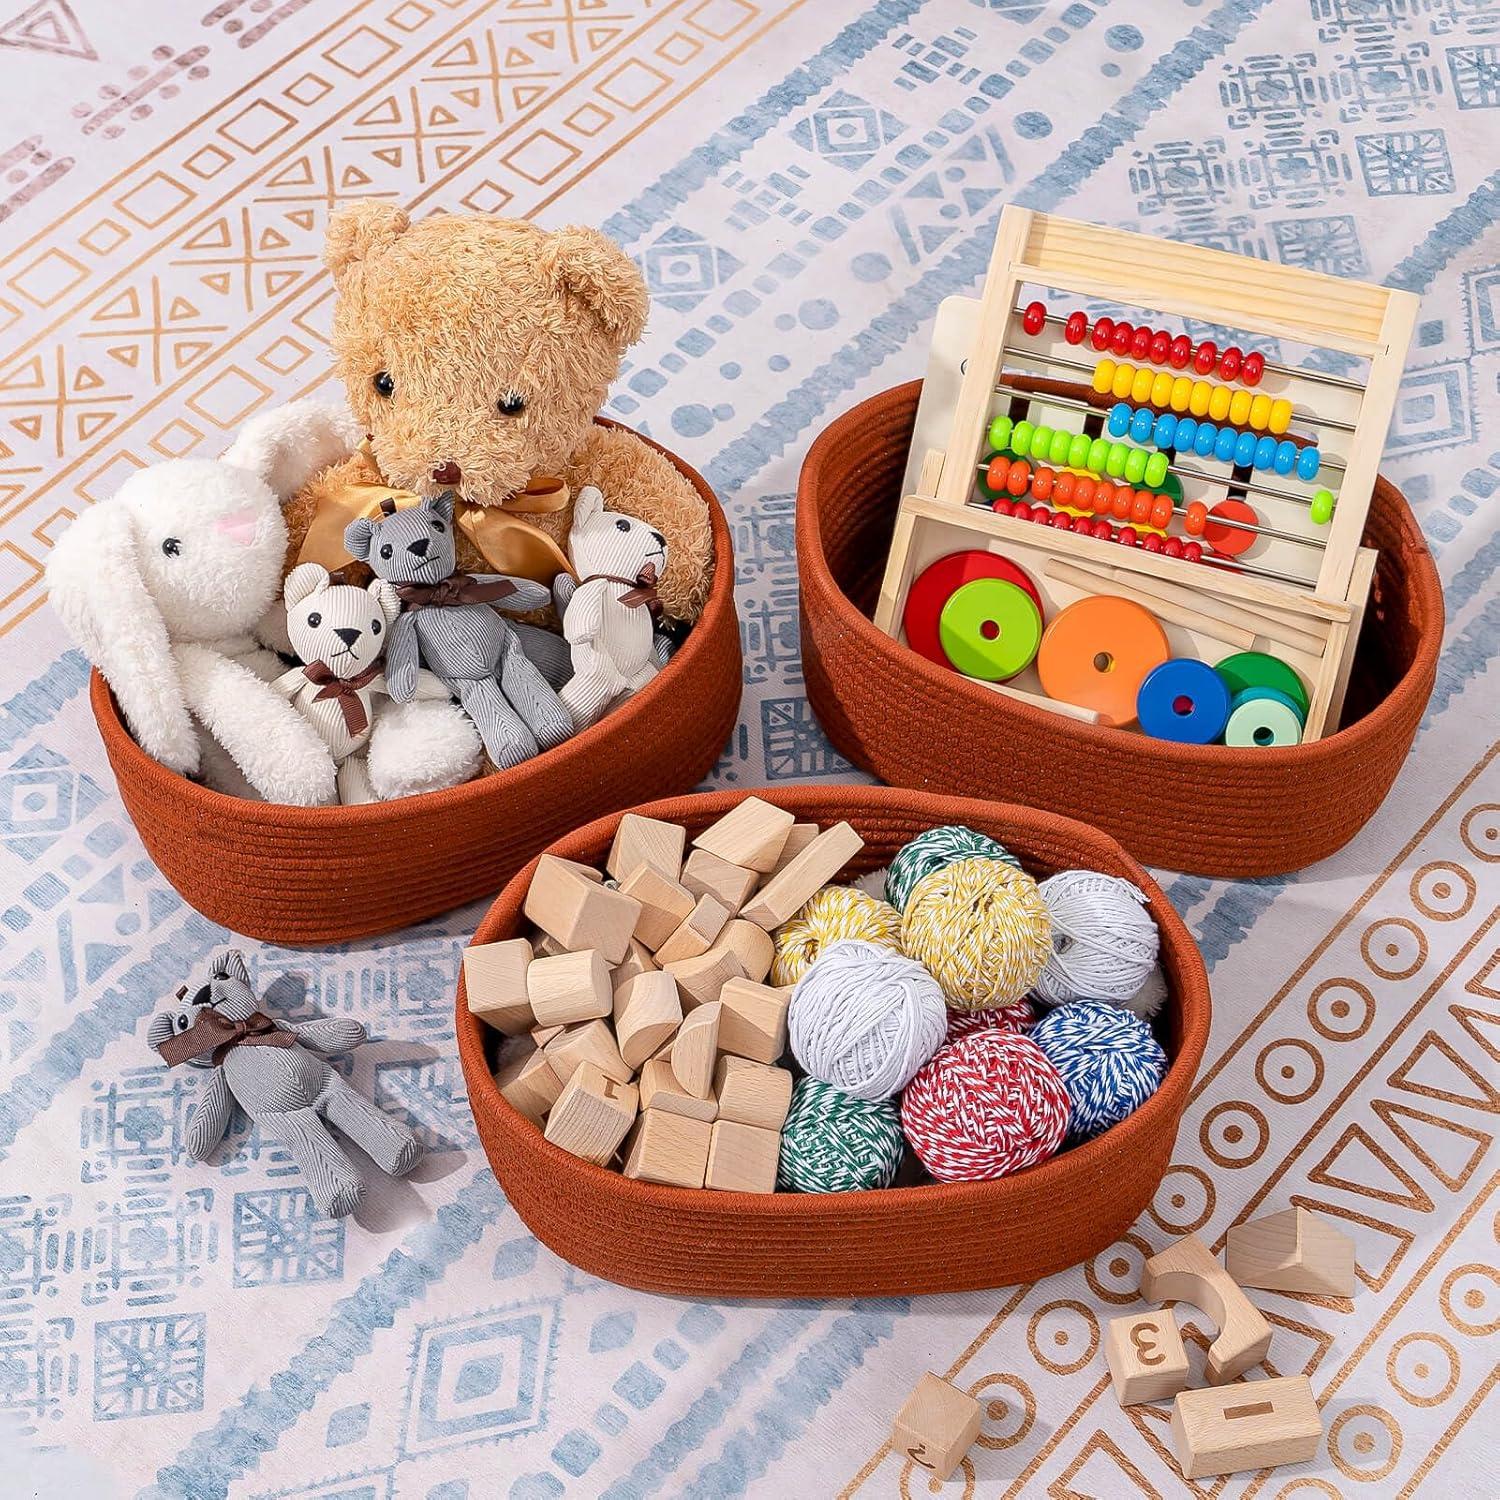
<point x="1060" y="446"/>
<point x="1156" y="469"/>
<point x="1078" y="450"/>
<point x="1114" y="462"/>
<point x="1020" y="439"/>
<point x="1320" y="512"/>
<point x="1135" y="465"/>
<point x="1041" y="441"/>
<point x="1098" y="455"/>
<point x="1000" y="434"/>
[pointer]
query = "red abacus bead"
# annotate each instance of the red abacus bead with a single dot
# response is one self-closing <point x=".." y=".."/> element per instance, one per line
<point x="1019" y="478"/>
<point x="1140" y="507"/>
<point x="1151" y="542"/>
<point x="1075" y="328"/>
<point x="1180" y="352"/>
<point x="1085" y="488"/>
<point x="1021" y="511"/>
<point x="1002" y="506"/>
<point x="1104" y="332"/>
<point x="1034" y="317"/>
<point x="1120" y="339"/>
<point x="1229" y="362"/>
<point x="1161" y="344"/>
<point x="999" y="467"/>
<point x="1041" y="483"/>
<point x="1204" y="356"/>
<point x="1101" y="529"/>
<point x="1172" y="546"/>
<point x="1192" y="551"/>
<point x="1140" y="343"/>
<point x="1195" y="518"/>
<point x="1126" y="536"/>
<point x="1083" y="525"/>
<point x="1120" y="505"/>
<point x="1161" y="512"/>
<point x="1253" y="368"/>
<point x="1062" y="520"/>
<point x="1043" y="514"/>
<point x="1062" y="488"/>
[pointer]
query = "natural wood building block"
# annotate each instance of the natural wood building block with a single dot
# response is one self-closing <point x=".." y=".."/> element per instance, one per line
<point x="592" y="1115"/>
<point x="1186" y="1272"/>
<point x="637" y="960"/>
<point x="541" y="1035"/>
<point x="742" y="1159"/>
<point x="526" y="1080"/>
<point x="579" y="913"/>
<point x="936" y="1426"/>
<point x="752" y="945"/>
<point x="647" y="1012"/>
<point x="753" y="1023"/>
<point x="751" y="1093"/>
<point x="751" y="834"/>
<point x="544" y="945"/>
<point x="668" y="1148"/>
<point x="797" y="840"/>
<point x="646" y="841"/>
<point x="694" y="1048"/>
<point x="571" y="987"/>
<point x="803" y="877"/>
<point x="578" y="867"/>
<point x="665" y="905"/>
<point x="660" y="1090"/>
<point x="495" y="982"/>
<point x="1145" y="1356"/>
<point x="706" y="874"/>
<point x="589" y="1042"/>
<point x="701" y="979"/>
<point x="1253" y="1424"/>
<point x="1295" y="1251"/>
<point x="695" y="934"/>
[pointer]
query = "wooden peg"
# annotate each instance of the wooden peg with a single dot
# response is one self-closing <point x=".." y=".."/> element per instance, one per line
<point x="665" y="905"/>
<point x="936" y="1426"/>
<point x="695" y="1047"/>
<point x="753" y="1022"/>
<point x="696" y="932"/>
<point x="751" y="944"/>
<point x="742" y="1158"/>
<point x="702" y="979"/>
<point x="752" y="1093"/>
<point x="797" y="840"/>
<point x="571" y="987"/>
<point x="1253" y="1424"/>
<point x="646" y="841"/>
<point x="592" y="1114"/>
<point x="706" y="874"/>
<point x="647" y="1012"/>
<point x="668" y="1148"/>
<point x="588" y="1042"/>
<point x="1145" y="1356"/>
<point x="1186" y="1272"/>
<point x="637" y="960"/>
<point x="751" y="834"/>
<point x="495" y="982"/>
<point x="803" y="877"/>
<point x="526" y="1080"/>
<point x="579" y="913"/>
<point x="661" y="1090"/>
<point x="1294" y="1251"/>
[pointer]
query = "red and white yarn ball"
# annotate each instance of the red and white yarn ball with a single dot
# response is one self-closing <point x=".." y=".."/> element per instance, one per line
<point x="985" y="1106"/>
<point x="1017" y="1017"/>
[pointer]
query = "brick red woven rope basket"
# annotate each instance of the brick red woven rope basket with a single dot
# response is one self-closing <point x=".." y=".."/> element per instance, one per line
<point x="1207" y="810"/>
<point x="305" y="875"/>
<point x="927" y="1238"/>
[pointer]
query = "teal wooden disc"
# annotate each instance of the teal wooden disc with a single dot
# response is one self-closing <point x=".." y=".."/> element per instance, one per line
<point x="1260" y="718"/>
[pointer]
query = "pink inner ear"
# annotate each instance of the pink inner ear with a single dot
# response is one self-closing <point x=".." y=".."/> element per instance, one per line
<point x="238" y="526"/>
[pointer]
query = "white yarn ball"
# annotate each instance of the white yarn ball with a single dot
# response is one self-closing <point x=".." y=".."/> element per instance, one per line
<point x="1104" y="941"/>
<point x="1150" y="997"/>
<point x="863" y="1019"/>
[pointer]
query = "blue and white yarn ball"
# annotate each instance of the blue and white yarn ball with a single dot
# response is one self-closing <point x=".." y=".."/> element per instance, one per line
<point x="1109" y="1061"/>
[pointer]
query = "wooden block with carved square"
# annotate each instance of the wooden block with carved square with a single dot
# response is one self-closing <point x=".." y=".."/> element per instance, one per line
<point x="1145" y="1357"/>
<point x="580" y="913"/>
<point x="495" y="984"/>
<point x="936" y="1426"/>
<point x="751" y="834"/>
<point x="1252" y="1424"/>
<point x="592" y="1114"/>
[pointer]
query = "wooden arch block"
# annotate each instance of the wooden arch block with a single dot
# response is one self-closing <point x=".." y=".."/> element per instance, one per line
<point x="1186" y="1272"/>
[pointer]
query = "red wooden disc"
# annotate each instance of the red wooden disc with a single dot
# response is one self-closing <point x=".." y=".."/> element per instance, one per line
<point x="1229" y="541"/>
<point x="935" y="585"/>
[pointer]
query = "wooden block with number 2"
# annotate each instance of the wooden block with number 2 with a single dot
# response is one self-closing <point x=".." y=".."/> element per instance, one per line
<point x="1145" y="1356"/>
<point x="937" y="1426"/>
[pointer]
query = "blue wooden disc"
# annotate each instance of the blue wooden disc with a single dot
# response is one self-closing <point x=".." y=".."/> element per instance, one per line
<point x="1183" y="700"/>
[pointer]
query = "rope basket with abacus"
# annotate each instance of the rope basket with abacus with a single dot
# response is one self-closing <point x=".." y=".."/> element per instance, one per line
<point x="1145" y="526"/>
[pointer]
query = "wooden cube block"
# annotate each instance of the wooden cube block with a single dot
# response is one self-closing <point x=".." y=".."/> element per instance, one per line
<point x="696" y="932"/>
<point x="750" y="1093"/>
<point x="751" y="834"/>
<point x="526" y="1080"/>
<point x="1186" y="1272"/>
<point x="495" y="982"/>
<point x="752" y="945"/>
<point x="665" y="905"/>
<point x="571" y="987"/>
<point x="592" y="1115"/>
<point x="646" y="841"/>
<point x="588" y="1042"/>
<point x="661" y="1090"/>
<point x="544" y="945"/>
<point x="1145" y="1357"/>
<point x="578" y="867"/>
<point x="797" y="840"/>
<point x="742" y="1159"/>
<point x="706" y="874"/>
<point x="1294" y="1251"/>
<point x="647" y="1012"/>
<point x="936" y="1426"/>
<point x="779" y="899"/>
<point x="753" y="1023"/>
<point x="701" y="979"/>
<point x="694" y="1048"/>
<point x="668" y="1148"/>
<point x="1252" y="1424"/>
<point x="637" y="960"/>
<point x="579" y="913"/>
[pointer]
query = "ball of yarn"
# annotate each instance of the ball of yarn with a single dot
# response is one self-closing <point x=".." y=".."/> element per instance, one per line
<point x="864" y="1019"/>
<point x="932" y="851"/>
<point x="835" y="913"/>
<point x="982" y="929"/>
<point x="1151" y="996"/>
<point x="832" y="1142"/>
<point x="1107" y="1058"/>
<point x="1017" y="1017"/>
<point x="1104" y="941"/>
<point x="984" y="1107"/>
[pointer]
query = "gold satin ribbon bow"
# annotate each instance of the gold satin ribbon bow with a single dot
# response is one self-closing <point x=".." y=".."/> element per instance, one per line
<point x="507" y="544"/>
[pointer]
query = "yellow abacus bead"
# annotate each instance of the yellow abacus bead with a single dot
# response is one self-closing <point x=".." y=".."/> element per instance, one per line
<point x="1218" y="406"/>
<point x="1124" y="379"/>
<point x="1104" y="374"/>
<point x="1239" y="408"/>
<point x="1161" y="389"/>
<point x="1260" y="412"/>
<point x="1182" y="391"/>
<point x="1281" y="417"/>
<point x="1141" y="387"/>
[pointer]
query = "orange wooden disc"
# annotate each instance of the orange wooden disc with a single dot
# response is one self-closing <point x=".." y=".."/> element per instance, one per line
<point x="1097" y="652"/>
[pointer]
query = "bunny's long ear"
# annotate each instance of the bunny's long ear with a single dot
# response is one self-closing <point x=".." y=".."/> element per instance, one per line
<point x="288" y="445"/>
<point x="230" y="965"/>
<point x="95" y="586"/>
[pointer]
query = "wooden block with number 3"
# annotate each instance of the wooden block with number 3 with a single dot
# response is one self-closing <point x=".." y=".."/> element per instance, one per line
<point x="1145" y="1356"/>
<point x="1186" y="1272"/>
<point x="937" y="1426"/>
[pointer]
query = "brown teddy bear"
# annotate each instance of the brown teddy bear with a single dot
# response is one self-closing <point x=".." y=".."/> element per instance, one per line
<point x="475" y="352"/>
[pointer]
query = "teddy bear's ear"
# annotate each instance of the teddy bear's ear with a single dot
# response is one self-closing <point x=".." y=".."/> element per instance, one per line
<point x="588" y="503"/>
<point x="357" y="535"/>
<point x="359" y="231"/>
<point x="306" y="578"/>
<point x="386" y="598"/>
<point x="440" y="505"/>
<point x="230" y="965"/>
<point x="600" y="274"/>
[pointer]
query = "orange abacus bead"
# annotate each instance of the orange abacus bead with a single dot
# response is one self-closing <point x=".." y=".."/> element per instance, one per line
<point x="1140" y="510"/>
<point x="1062" y="490"/>
<point x="999" y="467"/>
<point x="1195" y="518"/>
<point x="1085" y="489"/>
<point x="1041" y="483"/>
<point x="1019" y="478"/>
<point x="1161" y="512"/>
<point x="1120" y="502"/>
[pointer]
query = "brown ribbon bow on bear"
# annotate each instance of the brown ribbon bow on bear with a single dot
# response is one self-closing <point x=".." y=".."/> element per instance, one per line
<point x="639" y="590"/>
<point x="215" y="1032"/>
<point x="456" y="588"/>
<point x="345" y="690"/>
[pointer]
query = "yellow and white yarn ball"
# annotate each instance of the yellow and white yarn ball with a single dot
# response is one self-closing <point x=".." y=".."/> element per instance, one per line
<point x="835" y="913"/>
<point x="982" y="929"/>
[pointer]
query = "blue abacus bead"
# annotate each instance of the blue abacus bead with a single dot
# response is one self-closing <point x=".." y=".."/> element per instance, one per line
<point x="1307" y="463"/>
<point x="1265" y="452"/>
<point x="1224" y="444"/>
<point x="1141" y="424"/>
<point x="1244" y="450"/>
<point x="1203" y="444"/>
<point x="1119" y="420"/>
<point x="1166" y="426"/>
<point x="1182" y="439"/>
<point x="1286" y="456"/>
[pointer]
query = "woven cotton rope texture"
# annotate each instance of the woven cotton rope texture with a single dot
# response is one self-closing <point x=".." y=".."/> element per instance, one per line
<point x="1017" y="1017"/>
<point x="1104" y="941"/>
<point x="832" y="1142"/>
<point x="865" y="1019"/>
<point x="934" y="850"/>
<point x="836" y="912"/>
<point x="981" y="928"/>
<point x="1107" y="1058"/>
<point x="985" y="1107"/>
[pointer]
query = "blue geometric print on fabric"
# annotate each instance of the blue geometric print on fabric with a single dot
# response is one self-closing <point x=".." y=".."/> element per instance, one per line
<point x="41" y="797"/>
<point x="149" y="1367"/>
<point x="281" y="1239"/>
<point x="846" y="130"/>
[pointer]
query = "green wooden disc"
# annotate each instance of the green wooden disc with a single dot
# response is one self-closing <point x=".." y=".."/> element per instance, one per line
<point x="1255" y="669"/>
<point x="990" y="629"/>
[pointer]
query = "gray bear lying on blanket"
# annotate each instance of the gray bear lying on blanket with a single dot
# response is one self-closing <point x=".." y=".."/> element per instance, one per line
<point x="450" y="626"/>
<point x="274" y="1072"/>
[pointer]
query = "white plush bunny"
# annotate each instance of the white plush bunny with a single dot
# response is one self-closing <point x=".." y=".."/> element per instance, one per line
<point x="163" y="585"/>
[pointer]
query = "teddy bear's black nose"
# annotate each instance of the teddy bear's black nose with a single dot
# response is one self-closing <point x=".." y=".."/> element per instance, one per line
<point x="418" y="548"/>
<point x="347" y="634"/>
<point x="447" y="472"/>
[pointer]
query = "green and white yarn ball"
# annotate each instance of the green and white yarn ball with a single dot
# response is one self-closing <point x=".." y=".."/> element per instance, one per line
<point x="934" y="850"/>
<point x="834" y="1143"/>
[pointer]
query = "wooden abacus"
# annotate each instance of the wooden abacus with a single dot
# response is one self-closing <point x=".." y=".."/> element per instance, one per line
<point x="1280" y="458"/>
